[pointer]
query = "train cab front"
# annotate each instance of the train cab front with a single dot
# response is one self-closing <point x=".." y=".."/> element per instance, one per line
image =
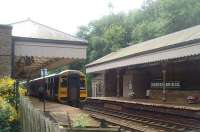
<point x="72" y="89"/>
<point x="83" y="88"/>
<point x="63" y="90"/>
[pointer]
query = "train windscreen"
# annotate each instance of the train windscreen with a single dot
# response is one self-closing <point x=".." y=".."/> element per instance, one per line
<point x="82" y="84"/>
<point x="64" y="82"/>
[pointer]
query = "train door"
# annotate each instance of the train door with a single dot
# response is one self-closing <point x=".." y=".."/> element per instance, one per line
<point x="74" y="89"/>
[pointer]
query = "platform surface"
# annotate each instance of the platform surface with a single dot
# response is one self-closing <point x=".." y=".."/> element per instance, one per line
<point x="151" y="102"/>
<point x="61" y="113"/>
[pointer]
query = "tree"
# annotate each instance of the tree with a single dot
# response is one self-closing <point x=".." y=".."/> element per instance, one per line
<point x="154" y="19"/>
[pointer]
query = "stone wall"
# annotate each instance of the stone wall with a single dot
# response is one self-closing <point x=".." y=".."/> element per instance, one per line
<point x="5" y="50"/>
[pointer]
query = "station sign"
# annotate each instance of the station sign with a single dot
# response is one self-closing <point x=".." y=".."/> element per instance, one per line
<point x="44" y="72"/>
<point x="168" y="84"/>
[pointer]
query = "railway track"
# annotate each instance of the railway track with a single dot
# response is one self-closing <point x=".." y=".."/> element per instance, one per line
<point x="164" y="122"/>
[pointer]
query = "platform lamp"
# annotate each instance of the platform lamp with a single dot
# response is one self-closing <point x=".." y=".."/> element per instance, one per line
<point x="44" y="72"/>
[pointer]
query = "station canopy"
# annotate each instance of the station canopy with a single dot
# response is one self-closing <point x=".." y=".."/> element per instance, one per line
<point x="38" y="46"/>
<point x="184" y="43"/>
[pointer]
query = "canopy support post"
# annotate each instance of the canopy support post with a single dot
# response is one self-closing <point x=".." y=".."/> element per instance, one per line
<point x="118" y="76"/>
<point x="164" y="97"/>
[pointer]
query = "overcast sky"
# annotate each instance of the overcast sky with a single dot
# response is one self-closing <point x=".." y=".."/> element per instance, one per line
<point x="65" y="15"/>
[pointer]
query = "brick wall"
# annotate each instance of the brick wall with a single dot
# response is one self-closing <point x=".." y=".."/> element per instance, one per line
<point x="5" y="50"/>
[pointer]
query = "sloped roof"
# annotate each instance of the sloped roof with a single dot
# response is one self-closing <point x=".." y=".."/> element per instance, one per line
<point x="31" y="29"/>
<point x="185" y="35"/>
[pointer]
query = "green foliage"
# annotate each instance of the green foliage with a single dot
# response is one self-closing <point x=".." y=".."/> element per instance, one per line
<point x="114" y="36"/>
<point x="78" y="65"/>
<point x="89" y="85"/>
<point x="81" y="121"/>
<point x="8" y="115"/>
<point x="22" y="90"/>
<point x="145" y="31"/>
<point x="7" y="90"/>
<point x="6" y="107"/>
<point x="4" y="117"/>
<point x="180" y="14"/>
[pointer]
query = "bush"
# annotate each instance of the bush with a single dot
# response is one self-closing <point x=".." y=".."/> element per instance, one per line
<point x="7" y="91"/>
<point x="81" y="121"/>
<point x="8" y="114"/>
<point x="22" y="90"/>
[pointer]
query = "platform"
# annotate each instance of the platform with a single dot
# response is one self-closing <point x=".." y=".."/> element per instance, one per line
<point x="62" y="113"/>
<point x="127" y="104"/>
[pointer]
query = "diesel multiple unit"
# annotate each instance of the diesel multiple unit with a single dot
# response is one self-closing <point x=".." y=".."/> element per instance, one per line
<point x="68" y="86"/>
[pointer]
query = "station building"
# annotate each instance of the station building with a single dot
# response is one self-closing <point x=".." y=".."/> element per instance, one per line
<point x="27" y="46"/>
<point x="164" y="68"/>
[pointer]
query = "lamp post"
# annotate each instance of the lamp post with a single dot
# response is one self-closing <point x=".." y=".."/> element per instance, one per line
<point x="44" y="73"/>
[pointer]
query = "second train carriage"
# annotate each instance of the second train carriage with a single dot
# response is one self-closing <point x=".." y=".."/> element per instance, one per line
<point x="68" y="86"/>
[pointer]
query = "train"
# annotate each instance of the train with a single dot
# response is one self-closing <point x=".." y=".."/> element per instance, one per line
<point x="67" y="86"/>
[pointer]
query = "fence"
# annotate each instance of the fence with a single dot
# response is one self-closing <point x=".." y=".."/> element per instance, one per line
<point x="33" y="120"/>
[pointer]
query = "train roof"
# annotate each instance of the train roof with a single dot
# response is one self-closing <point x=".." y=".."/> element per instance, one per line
<point x="60" y="73"/>
<point x="70" y="71"/>
<point x="54" y="74"/>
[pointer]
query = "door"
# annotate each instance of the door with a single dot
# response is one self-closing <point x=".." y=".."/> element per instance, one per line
<point x="127" y="85"/>
<point x="74" y="90"/>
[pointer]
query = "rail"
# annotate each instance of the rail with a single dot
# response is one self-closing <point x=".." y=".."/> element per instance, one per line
<point x="153" y="119"/>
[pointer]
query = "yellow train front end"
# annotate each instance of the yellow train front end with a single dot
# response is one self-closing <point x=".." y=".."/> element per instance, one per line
<point x="83" y="88"/>
<point x="72" y="87"/>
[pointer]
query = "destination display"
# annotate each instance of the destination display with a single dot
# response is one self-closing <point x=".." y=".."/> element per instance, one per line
<point x="168" y="84"/>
